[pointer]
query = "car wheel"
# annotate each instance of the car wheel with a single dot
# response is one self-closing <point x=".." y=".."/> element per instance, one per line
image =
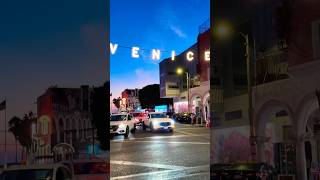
<point x="134" y="128"/>
<point x="151" y="127"/>
<point x="127" y="132"/>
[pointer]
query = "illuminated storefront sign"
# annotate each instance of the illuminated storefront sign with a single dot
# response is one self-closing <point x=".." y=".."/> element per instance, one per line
<point x="180" y="107"/>
<point x="156" y="53"/>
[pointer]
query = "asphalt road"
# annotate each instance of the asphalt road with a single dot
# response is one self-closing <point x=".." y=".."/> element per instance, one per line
<point x="184" y="154"/>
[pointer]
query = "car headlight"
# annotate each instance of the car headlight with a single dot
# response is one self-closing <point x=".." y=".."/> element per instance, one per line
<point x="172" y="122"/>
<point x="156" y="123"/>
<point x="122" y="126"/>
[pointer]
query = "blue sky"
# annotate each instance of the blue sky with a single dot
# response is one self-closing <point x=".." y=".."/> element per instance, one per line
<point x="157" y="24"/>
<point x="44" y="43"/>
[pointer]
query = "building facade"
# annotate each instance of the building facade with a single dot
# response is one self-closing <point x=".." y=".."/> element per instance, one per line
<point x="189" y="90"/>
<point x="130" y="99"/>
<point x="64" y="117"/>
<point x="285" y="105"/>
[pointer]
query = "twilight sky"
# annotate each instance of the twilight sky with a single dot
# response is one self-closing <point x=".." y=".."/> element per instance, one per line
<point x="44" y="43"/>
<point x="158" y="24"/>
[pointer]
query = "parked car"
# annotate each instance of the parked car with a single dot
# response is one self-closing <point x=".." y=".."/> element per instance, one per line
<point x="170" y="114"/>
<point x="184" y="118"/>
<point x="56" y="171"/>
<point x="121" y="124"/>
<point x="159" y="121"/>
<point x="243" y="171"/>
<point x="89" y="169"/>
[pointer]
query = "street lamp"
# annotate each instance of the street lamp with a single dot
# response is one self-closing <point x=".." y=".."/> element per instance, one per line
<point x="180" y="71"/>
<point x="224" y="30"/>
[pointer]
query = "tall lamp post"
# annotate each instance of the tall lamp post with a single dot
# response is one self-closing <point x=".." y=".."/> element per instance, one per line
<point x="182" y="71"/>
<point x="224" y="30"/>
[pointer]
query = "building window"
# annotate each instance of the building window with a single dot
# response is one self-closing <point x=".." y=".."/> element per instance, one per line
<point x="173" y="87"/>
<point x="232" y="115"/>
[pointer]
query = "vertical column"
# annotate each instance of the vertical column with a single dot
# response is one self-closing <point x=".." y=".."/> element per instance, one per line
<point x="301" y="165"/>
<point x="314" y="148"/>
<point x="260" y="150"/>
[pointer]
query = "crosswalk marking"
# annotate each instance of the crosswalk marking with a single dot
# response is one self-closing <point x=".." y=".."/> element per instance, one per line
<point x="166" y="142"/>
<point x="152" y="165"/>
<point x="164" y="174"/>
<point x="162" y="137"/>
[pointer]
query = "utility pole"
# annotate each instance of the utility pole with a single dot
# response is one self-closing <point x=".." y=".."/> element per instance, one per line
<point x="250" y="104"/>
<point x="188" y="92"/>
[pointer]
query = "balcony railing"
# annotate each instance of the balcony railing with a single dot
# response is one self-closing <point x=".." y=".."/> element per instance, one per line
<point x="272" y="67"/>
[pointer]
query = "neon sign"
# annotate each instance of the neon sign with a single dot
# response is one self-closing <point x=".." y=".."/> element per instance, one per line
<point x="156" y="53"/>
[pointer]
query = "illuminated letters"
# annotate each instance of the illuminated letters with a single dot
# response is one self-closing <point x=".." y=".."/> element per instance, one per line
<point x="155" y="54"/>
<point x="189" y="56"/>
<point x="134" y="52"/>
<point x="207" y="56"/>
<point x="113" y="48"/>
<point x="173" y="54"/>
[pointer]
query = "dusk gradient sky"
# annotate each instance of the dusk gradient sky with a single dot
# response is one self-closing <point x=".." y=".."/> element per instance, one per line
<point x="158" y="24"/>
<point x="44" y="43"/>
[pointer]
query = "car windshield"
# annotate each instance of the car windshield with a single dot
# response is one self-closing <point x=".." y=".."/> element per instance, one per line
<point x="32" y="174"/>
<point x="158" y="115"/>
<point x="91" y="168"/>
<point x="118" y="118"/>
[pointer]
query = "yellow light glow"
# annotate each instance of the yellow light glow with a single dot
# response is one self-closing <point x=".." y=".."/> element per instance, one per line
<point x="134" y="52"/>
<point x="190" y="55"/>
<point x="155" y="54"/>
<point x="223" y="29"/>
<point x="179" y="71"/>
<point x="113" y="48"/>
<point x="173" y="54"/>
<point x="124" y="101"/>
<point x="207" y="56"/>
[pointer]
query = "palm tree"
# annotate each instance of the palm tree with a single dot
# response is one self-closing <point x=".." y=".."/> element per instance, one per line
<point x="116" y="102"/>
<point x="21" y="129"/>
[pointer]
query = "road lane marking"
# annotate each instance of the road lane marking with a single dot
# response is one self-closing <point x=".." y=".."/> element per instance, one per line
<point x="142" y="174"/>
<point x="167" y="142"/>
<point x="161" y="137"/>
<point x="151" y="165"/>
<point x="187" y="133"/>
<point x="166" y="172"/>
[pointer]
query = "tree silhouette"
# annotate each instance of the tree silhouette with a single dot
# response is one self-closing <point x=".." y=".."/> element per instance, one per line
<point x="149" y="96"/>
<point x="116" y="102"/>
<point x="21" y="129"/>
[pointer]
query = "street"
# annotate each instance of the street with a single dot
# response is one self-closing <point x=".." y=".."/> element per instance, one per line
<point x="184" y="154"/>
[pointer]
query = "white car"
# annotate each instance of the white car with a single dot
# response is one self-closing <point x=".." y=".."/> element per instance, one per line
<point x="36" y="172"/>
<point x="160" y="121"/>
<point x="121" y="124"/>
